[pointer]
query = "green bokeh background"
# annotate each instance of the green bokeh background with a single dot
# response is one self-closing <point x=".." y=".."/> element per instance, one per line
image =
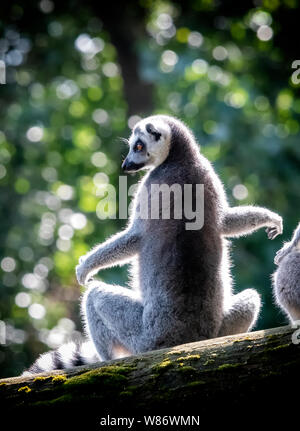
<point x="75" y="82"/>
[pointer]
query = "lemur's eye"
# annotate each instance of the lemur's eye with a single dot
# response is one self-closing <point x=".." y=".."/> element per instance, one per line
<point x="139" y="146"/>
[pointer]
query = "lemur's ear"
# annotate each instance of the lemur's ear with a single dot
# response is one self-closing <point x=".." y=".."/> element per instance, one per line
<point x="151" y="129"/>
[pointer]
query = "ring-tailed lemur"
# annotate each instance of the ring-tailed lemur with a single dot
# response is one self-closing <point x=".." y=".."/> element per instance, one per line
<point x="181" y="285"/>
<point x="286" y="280"/>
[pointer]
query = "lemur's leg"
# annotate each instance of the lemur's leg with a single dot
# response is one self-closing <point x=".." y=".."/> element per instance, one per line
<point x="243" y="220"/>
<point x="118" y="249"/>
<point x="293" y="312"/>
<point x="113" y="317"/>
<point x="242" y="314"/>
<point x="287" y="292"/>
<point x="286" y="282"/>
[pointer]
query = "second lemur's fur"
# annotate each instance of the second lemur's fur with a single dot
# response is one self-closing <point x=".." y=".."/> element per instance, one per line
<point x="286" y="280"/>
<point x="181" y="285"/>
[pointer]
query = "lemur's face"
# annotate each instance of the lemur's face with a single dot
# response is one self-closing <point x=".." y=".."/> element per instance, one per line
<point x="149" y="145"/>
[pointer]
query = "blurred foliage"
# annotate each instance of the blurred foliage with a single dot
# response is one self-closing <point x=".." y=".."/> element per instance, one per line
<point x="63" y="111"/>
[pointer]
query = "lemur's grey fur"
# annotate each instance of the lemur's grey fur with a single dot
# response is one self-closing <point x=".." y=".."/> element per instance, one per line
<point x="286" y="280"/>
<point x="181" y="284"/>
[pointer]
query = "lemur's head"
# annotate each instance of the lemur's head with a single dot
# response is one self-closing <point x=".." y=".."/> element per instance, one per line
<point x="149" y="144"/>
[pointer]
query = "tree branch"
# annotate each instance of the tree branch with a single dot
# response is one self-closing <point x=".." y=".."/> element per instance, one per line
<point x="218" y="374"/>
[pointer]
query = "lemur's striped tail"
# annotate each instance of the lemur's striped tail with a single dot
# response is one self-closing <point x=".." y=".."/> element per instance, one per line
<point x="68" y="355"/>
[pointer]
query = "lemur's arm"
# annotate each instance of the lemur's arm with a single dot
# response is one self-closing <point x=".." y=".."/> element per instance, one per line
<point x="116" y="250"/>
<point x="242" y="220"/>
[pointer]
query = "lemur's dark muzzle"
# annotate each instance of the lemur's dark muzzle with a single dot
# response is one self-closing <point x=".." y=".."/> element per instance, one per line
<point x="128" y="166"/>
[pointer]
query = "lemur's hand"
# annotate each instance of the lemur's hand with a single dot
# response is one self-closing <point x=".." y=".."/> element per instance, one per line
<point x="81" y="274"/>
<point x="83" y="258"/>
<point x="276" y="228"/>
<point x="82" y="270"/>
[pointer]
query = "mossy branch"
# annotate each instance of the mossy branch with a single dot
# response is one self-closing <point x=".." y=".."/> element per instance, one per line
<point x="202" y="378"/>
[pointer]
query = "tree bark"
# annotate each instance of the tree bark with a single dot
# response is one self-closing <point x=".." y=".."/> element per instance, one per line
<point x="204" y="379"/>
